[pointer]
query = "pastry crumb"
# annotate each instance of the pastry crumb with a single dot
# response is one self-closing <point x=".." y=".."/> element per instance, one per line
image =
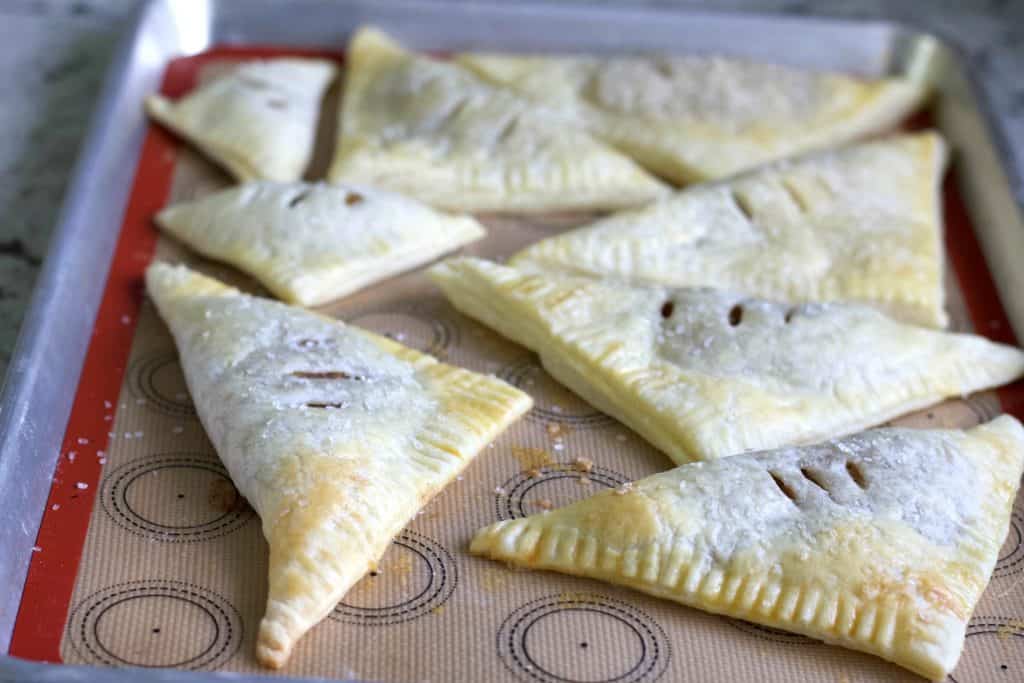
<point x="544" y="504"/>
<point x="534" y="472"/>
<point x="624" y="489"/>
<point x="584" y="480"/>
<point x="583" y="464"/>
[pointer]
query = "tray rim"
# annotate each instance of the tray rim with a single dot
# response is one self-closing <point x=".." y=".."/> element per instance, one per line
<point x="62" y="310"/>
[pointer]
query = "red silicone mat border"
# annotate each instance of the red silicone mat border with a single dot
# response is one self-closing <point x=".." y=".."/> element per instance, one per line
<point x="39" y="626"/>
<point x="46" y="598"/>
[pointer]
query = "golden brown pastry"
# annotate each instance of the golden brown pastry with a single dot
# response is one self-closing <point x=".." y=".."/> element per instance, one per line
<point x="703" y="373"/>
<point x="311" y="243"/>
<point x="258" y="121"/>
<point x="881" y="542"/>
<point x="696" y="118"/>
<point x="861" y="223"/>
<point x="432" y="130"/>
<point x="336" y="436"/>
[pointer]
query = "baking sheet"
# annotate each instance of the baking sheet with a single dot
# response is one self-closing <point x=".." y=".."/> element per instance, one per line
<point x="172" y="572"/>
<point x="40" y="390"/>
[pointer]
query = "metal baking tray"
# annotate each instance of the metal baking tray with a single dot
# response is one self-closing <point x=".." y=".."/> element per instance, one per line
<point x="42" y="380"/>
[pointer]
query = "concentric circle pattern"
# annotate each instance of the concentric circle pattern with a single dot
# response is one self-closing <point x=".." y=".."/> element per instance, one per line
<point x="553" y="403"/>
<point x="416" y="576"/>
<point x="551" y="487"/>
<point x="582" y="638"/>
<point x="174" y="498"/>
<point x="156" y="623"/>
<point x="773" y="634"/>
<point x="1011" y="557"/>
<point x="420" y="330"/>
<point x="157" y="379"/>
<point x="994" y="651"/>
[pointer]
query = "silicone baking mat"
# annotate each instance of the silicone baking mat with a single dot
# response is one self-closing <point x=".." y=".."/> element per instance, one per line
<point x="147" y="556"/>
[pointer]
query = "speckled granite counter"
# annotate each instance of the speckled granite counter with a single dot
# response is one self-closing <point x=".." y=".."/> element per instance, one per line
<point x="53" y="55"/>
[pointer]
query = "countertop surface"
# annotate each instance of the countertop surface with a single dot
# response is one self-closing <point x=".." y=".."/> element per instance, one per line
<point x="54" y="53"/>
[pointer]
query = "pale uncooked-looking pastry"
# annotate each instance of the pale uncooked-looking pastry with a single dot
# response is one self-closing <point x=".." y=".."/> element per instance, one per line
<point x="693" y="118"/>
<point x="311" y="243"/>
<point x="335" y="435"/>
<point x="881" y="542"/>
<point x="862" y="223"/>
<point x="703" y="373"/>
<point x="433" y="130"/>
<point x="258" y="121"/>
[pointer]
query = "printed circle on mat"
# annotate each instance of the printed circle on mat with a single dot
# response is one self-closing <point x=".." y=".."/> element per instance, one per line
<point x="418" y="330"/>
<point x="174" y="497"/>
<point x="416" y="576"/>
<point x="158" y="380"/>
<point x="551" y="487"/>
<point x="156" y="623"/>
<point x="584" y="638"/>
<point x="552" y="402"/>
<point x="775" y="635"/>
<point x="993" y="651"/>
<point x="1011" y="557"/>
<point x="984" y="405"/>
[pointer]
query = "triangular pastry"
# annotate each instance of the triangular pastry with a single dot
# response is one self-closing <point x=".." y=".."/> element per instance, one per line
<point x="335" y="435"/>
<point x="311" y="243"/>
<point x="695" y="118"/>
<point x="881" y="542"/>
<point x="434" y="131"/>
<point x="258" y="121"/>
<point x="703" y="373"/>
<point x="860" y="223"/>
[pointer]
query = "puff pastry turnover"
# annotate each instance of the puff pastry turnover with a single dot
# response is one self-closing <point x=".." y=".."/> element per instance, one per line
<point x="336" y="436"/>
<point x="258" y="121"/>
<point x="311" y="243"/>
<point x="692" y="118"/>
<point x="861" y="223"/>
<point x="434" y="131"/>
<point x="704" y="373"/>
<point x="881" y="542"/>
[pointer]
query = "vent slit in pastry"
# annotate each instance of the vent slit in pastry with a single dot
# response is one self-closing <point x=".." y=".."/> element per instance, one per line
<point x="743" y="205"/>
<point x="329" y="374"/>
<point x="794" y="195"/>
<point x="333" y="478"/>
<point x="724" y="373"/>
<point x="508" y="129"/>
<point x="856" y="475"/>
<point x="310" y="243"/>
<point x="783" y="487"/>
<point x="815" y="478"/>
<point x="895" y="570"/>
<point x="298" y="199"/>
